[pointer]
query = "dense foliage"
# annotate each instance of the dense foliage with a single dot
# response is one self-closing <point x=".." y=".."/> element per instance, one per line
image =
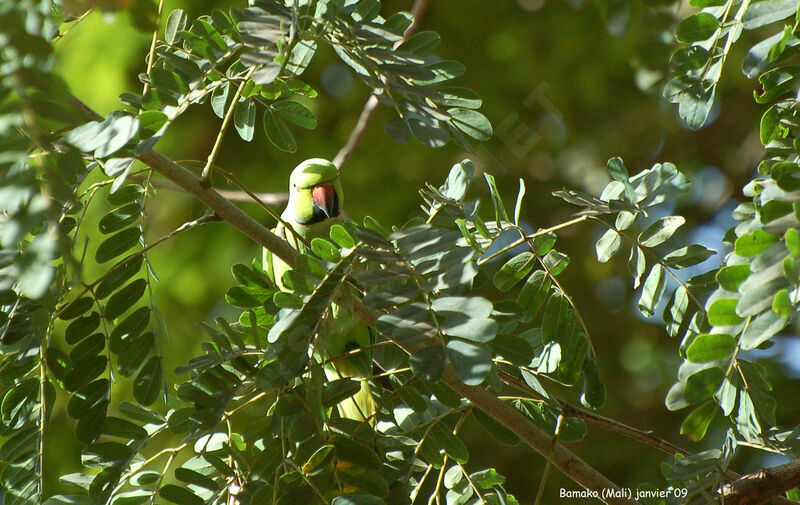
<point x="466" y="296"/>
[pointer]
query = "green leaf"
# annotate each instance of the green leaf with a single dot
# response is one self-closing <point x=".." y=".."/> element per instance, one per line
<point x="118" y="427"/>
<point x="134" y="352"/>
<point x="428" y="131"/>
<point x="284" y="300"/>
<point x="148" y="382"/>
<point x="594" y="391"/>
<point x="701" y="385"/>
<point x="295" y="112"/>
<point x="790" y="270"/>
<point x="761" y="14"/>
<point x="636" y="264"/>
<point x="514" y="271"/>
<point x="151" y="121"/>
<point x="472" y="123"/>
<point x="76" y="308"/>
<point x="487" y="479"/>
<point x="781" y="304"/>
<point x="754" y="243"/>
<point x="660" y="231"/>
<point x="397" y="130"/>
<point x="688" y="256"/>
<point x="652" y="291"/>
<point x="179" y="495"/>
<point x="792" y="239"/>
<point x="697" y="28"/>
<point x="428" y="363"/>
<point x="356" y="452"/>
<point x="128" y="328"/>
<point x="338" y="390"/>
<point x="533" y="294"/>
<point x="710" y="347"/>
<point x="89" y="369"/>
<point x="244" y="119"/>
<point x="118" y="277"/>
<point x="316" y="459"/>
<point x="125" y="194"/>
<point x="474" y="329"/>
<point x="141" y="413"/>
<point x="518" y="204"/>
<point x="555" y="262"/>
<point x="219" y="99"/>
<point x="458" y="97"/>
<point x="513" y="348"/>
<point x="278" y="133"/>
<point x="443" y="71"/>
<point x="176" y="22"/>
<point x="357" y="499"/>
<point x="731" y="277"/>
<point x="124" y="299"/>
<point x="723" y="312"/>
<point x="105" y="454"/>
<point x="608" y="245"/>
<point x="675" y="309"/>
<point x="696" y="423"/>
<point x="471" y="362"/>
<point x="341" y="237"/>
<point x="421" y="43"/>
<point x="618" y="172"/>
<point x="453" y="447"/>
<point x="325" y="250"/>
<point x="120" y="218"/>
<point x="117" y="244"/>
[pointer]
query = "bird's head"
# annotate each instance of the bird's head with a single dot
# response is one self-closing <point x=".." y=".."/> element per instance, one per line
<point x="315" y="193"/>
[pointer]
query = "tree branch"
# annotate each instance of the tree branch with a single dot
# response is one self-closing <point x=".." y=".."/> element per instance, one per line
<point x="763" y="486"/>
<point x="351" y="145"/>
<point x="562" y="458"/>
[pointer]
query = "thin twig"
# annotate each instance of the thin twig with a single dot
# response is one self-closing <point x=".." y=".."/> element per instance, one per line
<point x="549" y="463"/>
<point x="354" y="139"/>
<point x="73" y="24"/>
<point x="230" y="195"/>
<point x="205" y="177"/>
<point x="151" y="55"/>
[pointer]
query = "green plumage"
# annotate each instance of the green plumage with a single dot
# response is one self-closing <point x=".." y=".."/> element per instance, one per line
<point x="315" y="203"/>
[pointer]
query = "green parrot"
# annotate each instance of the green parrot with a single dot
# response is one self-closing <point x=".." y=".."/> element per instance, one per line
<point x="315" y="204"/>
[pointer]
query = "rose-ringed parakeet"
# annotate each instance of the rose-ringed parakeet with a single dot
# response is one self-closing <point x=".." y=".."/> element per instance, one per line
<point x="315" y="204"/>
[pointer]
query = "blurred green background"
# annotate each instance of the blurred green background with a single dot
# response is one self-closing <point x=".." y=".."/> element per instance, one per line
<point x="565" y="86"/>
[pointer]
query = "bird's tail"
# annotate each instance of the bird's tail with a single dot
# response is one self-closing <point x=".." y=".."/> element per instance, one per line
<point x="360" y="406"/>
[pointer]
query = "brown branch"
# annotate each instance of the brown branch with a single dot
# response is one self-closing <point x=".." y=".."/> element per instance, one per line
<point x="358" y="132"/>
<point x="417" y="11"/>
<point x="762" y="486"/>
<point x="562" y="458"/>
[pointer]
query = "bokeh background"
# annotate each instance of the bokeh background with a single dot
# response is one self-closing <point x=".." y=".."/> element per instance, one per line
<point x="566" y="85"/>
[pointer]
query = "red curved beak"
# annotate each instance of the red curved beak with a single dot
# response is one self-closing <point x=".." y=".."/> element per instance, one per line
<point x="325" y="197"/>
